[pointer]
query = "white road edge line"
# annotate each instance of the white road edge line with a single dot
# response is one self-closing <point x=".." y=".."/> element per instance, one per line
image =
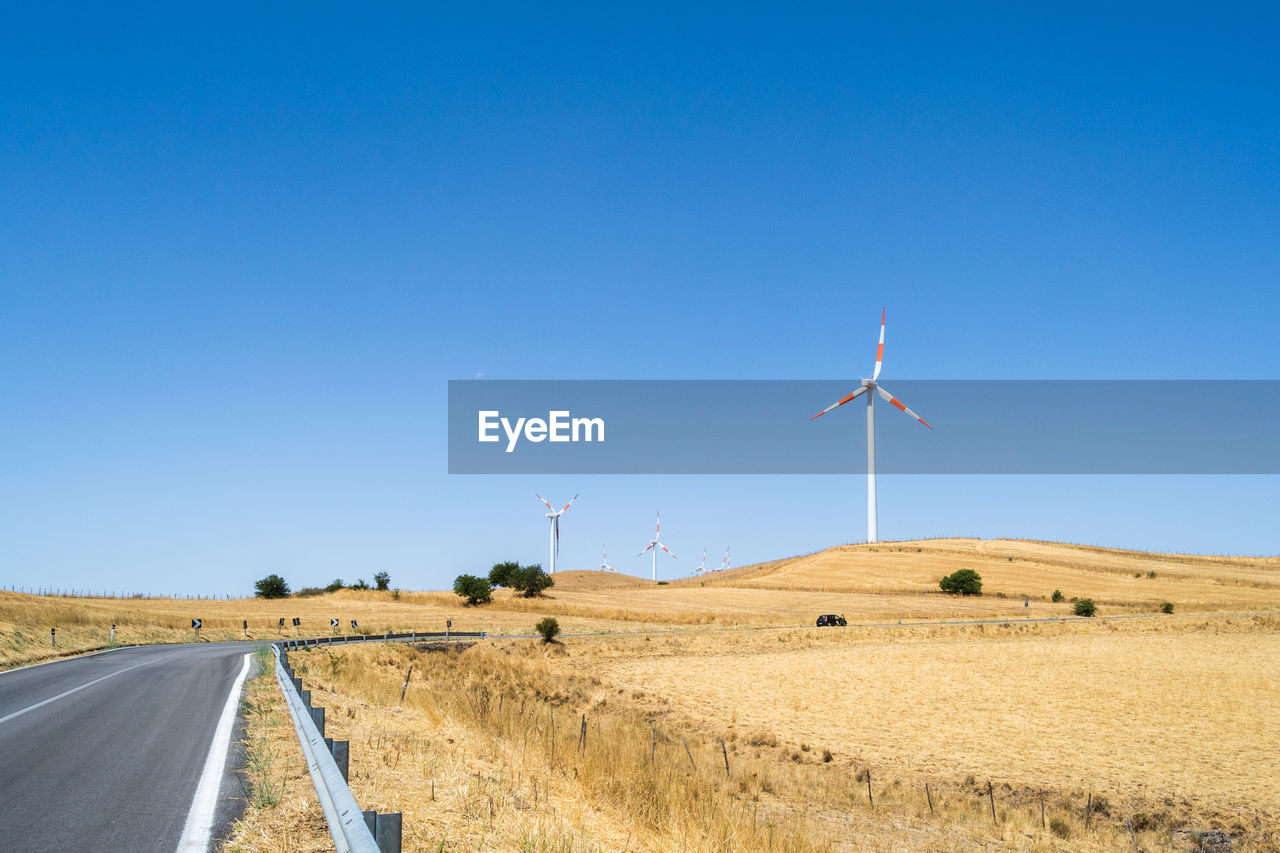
<point x="67" y="659"/>
<point x="65" y="693"/>
<point x="199" y="825"/>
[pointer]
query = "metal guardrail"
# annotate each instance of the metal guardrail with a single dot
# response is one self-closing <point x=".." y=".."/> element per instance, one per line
<point x="412" y="637"/>
<point x="350" y="828"/>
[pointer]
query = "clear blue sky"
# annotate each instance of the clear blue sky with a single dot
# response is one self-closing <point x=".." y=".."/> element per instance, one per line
<point x="242" y="250"/>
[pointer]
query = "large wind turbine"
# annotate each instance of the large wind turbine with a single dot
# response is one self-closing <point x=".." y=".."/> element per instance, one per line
<point x="604" y="561"/>
<point x="867" y="385"/>
<point x="654" y="541"/>
<point x="554" y="515"/>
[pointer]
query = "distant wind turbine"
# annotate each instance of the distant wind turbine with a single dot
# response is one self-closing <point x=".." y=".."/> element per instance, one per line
<point x="868" y="384"/>
<point x="554" y="515"/>
<point x="655" y="542"/>
<point x="604" y="561"/>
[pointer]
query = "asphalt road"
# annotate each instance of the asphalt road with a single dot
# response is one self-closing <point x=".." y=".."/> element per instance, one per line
<point x="104" y="752"/>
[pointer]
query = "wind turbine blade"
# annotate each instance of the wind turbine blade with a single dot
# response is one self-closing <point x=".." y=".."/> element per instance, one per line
<point x="658" y="526"/>
<point x="879" y="349"/>
<point x="570" y="503"/>
<point x="842" y="401"/>
<point x="668" y="550"/>
<point x="544" y="500"/>
<point x="898" y="404"/>
<point x="645" y="551"/>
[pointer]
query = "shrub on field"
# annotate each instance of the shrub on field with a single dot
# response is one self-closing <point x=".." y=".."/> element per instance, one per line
<point x="530" y="581"/>
<point x="475" y="590"/>
<point x="1057" y="595"/>
<point x="359" y="584"/>
<point x="1059" y="827"/>
<point x="272" y="586"/>
<point x="962" y="582"/>
<point x="382" y="580"/>
<point x="1084" y="607"/>
<point x="500" y="574"/>
<point x="1167" y="607"/>
<point x="308" y="592"/>
<point x="548" y="628"/>
<point x="335" y="585"/>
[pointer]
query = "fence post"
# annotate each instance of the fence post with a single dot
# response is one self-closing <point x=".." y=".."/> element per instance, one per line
<point x="386" y="831"/>
<point x="928" y="796"/>
<point x="870" y="801"/>
<point x="653" y="746"/>
<point x="725" y="753"/>
<point x="341" y="756"/>
<point x="688" y="753"/>
<point x="991" y="796"/>
<point x="407" y="676"/>
<point x="1088" y="810"/>
<point x="582" y="738"/>
<point x="1042" y="809"/>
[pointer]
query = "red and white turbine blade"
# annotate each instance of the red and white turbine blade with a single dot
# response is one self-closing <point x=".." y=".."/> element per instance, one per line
<point x="645" y="551"/>
<point x="544" y="500"/>
<point x="658" y="525"/>
<point x="570" y="503"/>
<point x="668" y="550"/>
<point x="879" y="349"/>
<point x="842" y="401"/>
<point x="898" y="404"/>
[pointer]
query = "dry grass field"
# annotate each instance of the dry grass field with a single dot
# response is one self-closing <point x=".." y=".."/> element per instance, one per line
<point x="1168" y="720"/>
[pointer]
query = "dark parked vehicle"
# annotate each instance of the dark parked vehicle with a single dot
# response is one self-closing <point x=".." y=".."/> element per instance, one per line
<point x="831" y="619"/>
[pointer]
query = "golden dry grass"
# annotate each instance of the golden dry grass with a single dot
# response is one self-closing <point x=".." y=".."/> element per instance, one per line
<point x="282" y="814"/>
<point x="1018" y="568"/>
<point x="1170" y="722"/>
<point x="883" y="582"/>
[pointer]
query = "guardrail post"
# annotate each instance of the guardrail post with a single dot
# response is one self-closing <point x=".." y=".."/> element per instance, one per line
<point x="297" y="683"/>
<point x="317" y="716"/>
<point x="386" y="831"/>
<point x="341" y="755"/>
<point x="306" y="697"/>
<point x="370" y="820"/>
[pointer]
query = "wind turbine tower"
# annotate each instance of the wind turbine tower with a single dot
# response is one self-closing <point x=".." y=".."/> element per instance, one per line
<point x="554" y="516"/>
<point x="869" y="385"/>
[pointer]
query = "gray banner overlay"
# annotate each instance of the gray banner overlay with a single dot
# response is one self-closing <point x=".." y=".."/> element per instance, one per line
<point x="764" y="427"/>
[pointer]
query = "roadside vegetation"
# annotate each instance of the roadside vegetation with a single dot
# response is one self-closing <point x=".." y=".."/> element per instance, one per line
<point x="281" y="812"/>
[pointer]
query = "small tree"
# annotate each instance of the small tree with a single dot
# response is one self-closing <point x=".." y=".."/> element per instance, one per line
<point x="1084" y="607"/>
<point x="548" y="628"/>
<point x="531" y="581"/>
<point x="962" y="582"/>
<point x="1057" y="595"/>
<point x="382" y="580"/>
<point x="500" y="574"/>
<point x="474" y="589"/>
<point x="272" y="586"/>
<point x="334" y="585"/>
<point x="1167" y="607"/>
<point x="360" y="584"/>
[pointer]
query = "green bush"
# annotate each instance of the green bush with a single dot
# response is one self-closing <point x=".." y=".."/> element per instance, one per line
<point x="1167" y="607"/>
<point x="548" y="628"/>
<point x="272" y="586"/>
<point x="335" y="585"/>
<point x="1084" y="607"/>
<point x="1059" y="827"/>
<point x="962" y="582"/>
<point x="309" y="592"/>
<point x="382" y="580"/>
<point x="360" y="584"/>
<point x="530" y="581"/>
<point x="1057" y="595"/>
<point x="500" y="574"/>
<point x="475" y="590"/>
